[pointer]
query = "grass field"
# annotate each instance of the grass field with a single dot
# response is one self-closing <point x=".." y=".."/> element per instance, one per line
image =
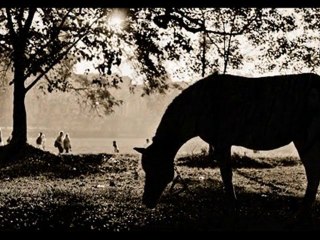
<point x="102" y="192"/>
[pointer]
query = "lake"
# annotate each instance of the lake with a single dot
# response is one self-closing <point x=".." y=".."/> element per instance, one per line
<point x="125" y="145"/>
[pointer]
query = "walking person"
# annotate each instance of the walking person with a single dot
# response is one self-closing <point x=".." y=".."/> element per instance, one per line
<point x="1" y="141"/>
<point x="9" y="139"/>
<point x="67" y="143"/>
<point x="41" y="141"/>
<point x="58" y="143"/>
<point x="147" y="143"/>
<point x="115" y="147"/>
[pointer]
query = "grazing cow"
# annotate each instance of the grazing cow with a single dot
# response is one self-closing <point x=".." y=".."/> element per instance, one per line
<point x="224" y="110"/>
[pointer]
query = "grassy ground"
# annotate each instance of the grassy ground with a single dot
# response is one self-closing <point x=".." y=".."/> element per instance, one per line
<point x="103" y="193"/>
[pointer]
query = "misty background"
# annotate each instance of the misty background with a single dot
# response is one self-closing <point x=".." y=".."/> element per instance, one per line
<point x="130" y="124"/>
<point x="138" y="116"/>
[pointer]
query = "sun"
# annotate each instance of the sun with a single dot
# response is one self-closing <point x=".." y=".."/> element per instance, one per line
<point x="116" y="20"/>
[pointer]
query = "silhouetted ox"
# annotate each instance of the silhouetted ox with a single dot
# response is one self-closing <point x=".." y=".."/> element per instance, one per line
<point x="224" y="110"/>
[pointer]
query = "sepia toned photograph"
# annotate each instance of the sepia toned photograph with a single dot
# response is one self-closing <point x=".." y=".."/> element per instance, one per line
<point x="159" y="119"/>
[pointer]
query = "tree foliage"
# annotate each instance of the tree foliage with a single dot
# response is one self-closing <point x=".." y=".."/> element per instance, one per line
<point x="225" y="33"/>
<point x="51" y="41"/>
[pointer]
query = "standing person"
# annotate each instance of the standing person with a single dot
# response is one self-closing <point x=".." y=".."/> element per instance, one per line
<point x="1" y="142"/>
<point x="41" y="141"/>
<point x="147" y="143"/>
<point x="9" y="138"/>
<point x="58" y="143"/>
<point x="115" y="147"/>
<point x="67" y="143"/>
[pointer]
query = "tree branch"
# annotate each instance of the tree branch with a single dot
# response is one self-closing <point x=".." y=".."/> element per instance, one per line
<point x="59" y="57"/>
<point x="28" y="23"/>
<point x="186" y="26"/>
<point x="11" y="28"/>
<point x="19" y="19"/>
<point x="227" y="51"/>
<point x="44" y="72"/>
<point x="22" y="37"/>
<point x="78" y="89"/>
<point x="201" y="28"/>
<point x="41" y="49"/>
<point x="63" y="20"/>
<point x="215" y="44"/>
<point x="190" y="19"/>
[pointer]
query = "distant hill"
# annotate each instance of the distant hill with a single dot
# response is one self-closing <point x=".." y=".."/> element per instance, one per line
<point x="50" y="113"/>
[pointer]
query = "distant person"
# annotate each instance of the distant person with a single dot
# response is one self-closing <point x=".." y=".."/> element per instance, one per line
<point x="9" y="139"/>
<point x="147" y="143"/>
<point x="40" y="141"/>
<point x="67" y="143"/>
<point x="1" y="142"/>
<point x="115" y="147"/>
<point x="58" y="143"/>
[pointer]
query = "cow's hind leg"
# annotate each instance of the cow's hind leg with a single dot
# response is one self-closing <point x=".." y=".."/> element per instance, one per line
<point x="211" y="153"/>
<point x="310" y="157"/>
<point x="223" y="155"/>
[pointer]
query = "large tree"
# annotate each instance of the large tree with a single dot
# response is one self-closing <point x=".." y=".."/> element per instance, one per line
<point x="41" y="45"/>
<point x="36" y="42"/>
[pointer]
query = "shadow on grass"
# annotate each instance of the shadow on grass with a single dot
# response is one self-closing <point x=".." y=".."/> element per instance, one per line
<point x="123" y="212"/>
<point x="31" y="161"/>
<point x="239" y="161"/>
<point x="210" y="212"/>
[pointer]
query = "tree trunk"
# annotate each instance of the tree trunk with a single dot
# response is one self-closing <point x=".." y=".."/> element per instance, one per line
<point x="203" y="58"/>
<point x="19" y="134"/>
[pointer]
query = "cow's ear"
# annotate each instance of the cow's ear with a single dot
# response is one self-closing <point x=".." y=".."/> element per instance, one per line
<point x="140" y="150"/>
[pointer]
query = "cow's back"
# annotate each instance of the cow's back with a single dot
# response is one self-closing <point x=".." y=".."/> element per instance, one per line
<point x="260" y="113"/>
